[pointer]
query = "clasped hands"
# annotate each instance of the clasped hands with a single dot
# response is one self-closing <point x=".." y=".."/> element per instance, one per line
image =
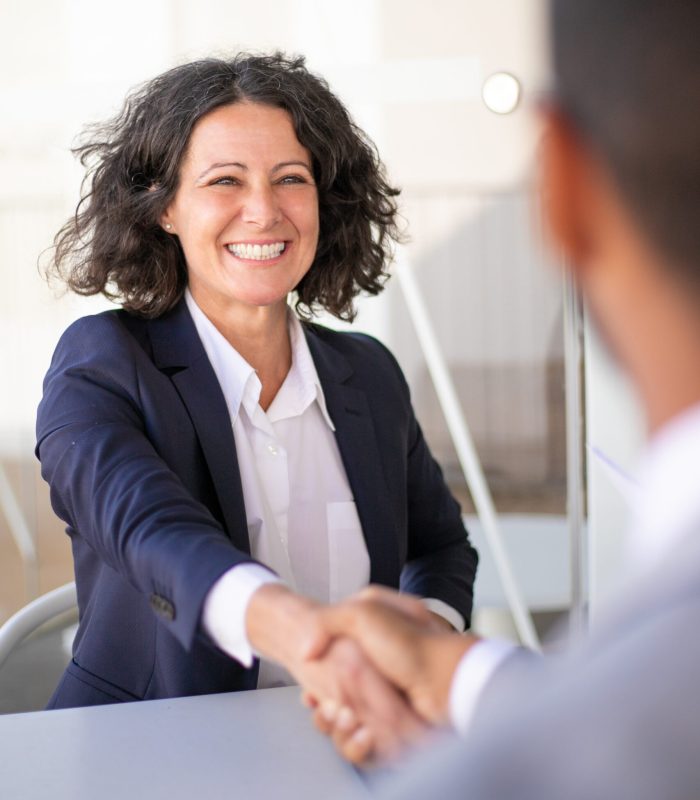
<point x="375" y="669"/>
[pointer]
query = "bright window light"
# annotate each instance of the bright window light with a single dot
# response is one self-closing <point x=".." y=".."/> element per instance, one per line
<point x="501" y="92"/>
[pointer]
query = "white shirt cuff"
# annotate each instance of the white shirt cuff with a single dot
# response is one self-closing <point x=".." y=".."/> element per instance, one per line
<point x="471" y="676"/>
<point x="225" y="606"/>
<point x="445" y="611"/>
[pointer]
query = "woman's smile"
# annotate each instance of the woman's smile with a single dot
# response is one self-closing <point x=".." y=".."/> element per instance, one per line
<point x="266" y="251"/>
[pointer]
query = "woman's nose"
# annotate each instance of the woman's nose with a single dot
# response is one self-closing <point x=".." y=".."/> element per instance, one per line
<point x="261" y="207"/>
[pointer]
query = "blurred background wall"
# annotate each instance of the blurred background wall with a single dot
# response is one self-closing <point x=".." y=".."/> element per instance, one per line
<point x="412" y="75"/>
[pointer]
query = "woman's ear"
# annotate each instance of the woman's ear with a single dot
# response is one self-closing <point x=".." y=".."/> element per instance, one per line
<point x="166" y="224"/>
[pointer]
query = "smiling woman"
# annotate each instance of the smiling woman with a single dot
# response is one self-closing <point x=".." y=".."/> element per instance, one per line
<point x="223" y="465"/>
<point x="115" y="244"/>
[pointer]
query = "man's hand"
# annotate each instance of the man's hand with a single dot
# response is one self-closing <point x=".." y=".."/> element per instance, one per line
<point x="399" y="637"/>
<point x="365" y="714"/>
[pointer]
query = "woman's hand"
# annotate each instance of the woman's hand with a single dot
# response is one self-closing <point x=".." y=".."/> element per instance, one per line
<point x="280" y="624"/>
<point x="365" y="714"/>
<point x="372" y="722"/>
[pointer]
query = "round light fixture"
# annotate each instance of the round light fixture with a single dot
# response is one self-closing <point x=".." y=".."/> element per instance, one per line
<point x="501" y="92"/>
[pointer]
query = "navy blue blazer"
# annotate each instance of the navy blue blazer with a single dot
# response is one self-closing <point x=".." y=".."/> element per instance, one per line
<point x="135" y="441"/>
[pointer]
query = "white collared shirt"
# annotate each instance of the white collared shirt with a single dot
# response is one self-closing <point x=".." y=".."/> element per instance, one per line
<point x="301" y="514"/>
<point x="669" y="499"/>
<point x="300" y="510"/>
<point x="668" y="508"/>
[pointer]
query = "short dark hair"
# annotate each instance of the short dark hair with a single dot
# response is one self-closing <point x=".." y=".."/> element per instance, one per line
<point x="114" y="243"/>
<point x="627" y="74"/>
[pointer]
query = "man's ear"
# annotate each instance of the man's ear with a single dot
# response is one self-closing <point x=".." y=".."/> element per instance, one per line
<point x="568" y="190"/>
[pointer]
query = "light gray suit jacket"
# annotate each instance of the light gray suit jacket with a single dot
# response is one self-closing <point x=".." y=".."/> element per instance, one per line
<point x="618" y="717"/>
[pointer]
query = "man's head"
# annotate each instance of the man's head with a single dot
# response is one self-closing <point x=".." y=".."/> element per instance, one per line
<point x="627" y="74"/>
<point x="622" y="165"/>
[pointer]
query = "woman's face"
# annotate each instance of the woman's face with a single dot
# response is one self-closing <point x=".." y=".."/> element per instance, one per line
<point x="246" y="209"/>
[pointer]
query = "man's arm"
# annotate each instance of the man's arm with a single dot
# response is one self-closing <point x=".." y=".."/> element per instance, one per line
<point x="441" y="673"/>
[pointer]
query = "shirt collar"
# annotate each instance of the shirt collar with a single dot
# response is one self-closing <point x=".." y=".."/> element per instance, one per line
<point x="669" y="499"/>
<point x="302" y="385"/>
<point x="240" y="383"/>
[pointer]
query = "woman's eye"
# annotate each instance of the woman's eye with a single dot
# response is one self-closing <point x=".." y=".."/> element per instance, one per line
<point x="225" y="180"/>
<point x="293" y="179"/>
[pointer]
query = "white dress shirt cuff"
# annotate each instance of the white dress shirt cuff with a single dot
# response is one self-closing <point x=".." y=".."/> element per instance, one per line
<point x="445" y="611"/>
<point x="471" y="676"/>
<point x="225" y="607"/>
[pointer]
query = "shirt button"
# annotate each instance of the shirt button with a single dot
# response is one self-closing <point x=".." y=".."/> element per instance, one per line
<point x="272" y="449"/>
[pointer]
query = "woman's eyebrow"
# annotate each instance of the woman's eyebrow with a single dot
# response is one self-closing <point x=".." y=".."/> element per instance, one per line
<point x="276" y="168"/>
<point x="220" y="164"/>
<point x="284" y="164"/>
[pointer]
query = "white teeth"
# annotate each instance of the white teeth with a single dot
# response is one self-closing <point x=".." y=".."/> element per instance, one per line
<point x="256" y="252"/>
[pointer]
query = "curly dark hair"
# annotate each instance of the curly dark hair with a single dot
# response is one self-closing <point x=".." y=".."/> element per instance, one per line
<point x="114" y="243"/>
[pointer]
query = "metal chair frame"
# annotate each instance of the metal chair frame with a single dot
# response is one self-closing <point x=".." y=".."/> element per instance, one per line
<point x="33" y="616"/>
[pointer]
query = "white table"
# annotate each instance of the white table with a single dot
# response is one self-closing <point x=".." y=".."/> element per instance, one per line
<point x="253" y="745"/>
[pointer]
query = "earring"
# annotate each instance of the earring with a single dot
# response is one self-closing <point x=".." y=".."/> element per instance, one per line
<point x="168" y="226"/>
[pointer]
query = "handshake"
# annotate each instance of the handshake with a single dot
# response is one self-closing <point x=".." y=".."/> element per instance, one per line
<point x="375" y="670"/>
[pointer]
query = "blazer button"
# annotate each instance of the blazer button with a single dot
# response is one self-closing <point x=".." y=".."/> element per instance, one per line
<point x="162" y="607"/>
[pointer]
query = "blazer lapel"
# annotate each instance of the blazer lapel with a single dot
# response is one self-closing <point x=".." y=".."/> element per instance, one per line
<point x="178" y="351"/>
<point x="359" y="449"/>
